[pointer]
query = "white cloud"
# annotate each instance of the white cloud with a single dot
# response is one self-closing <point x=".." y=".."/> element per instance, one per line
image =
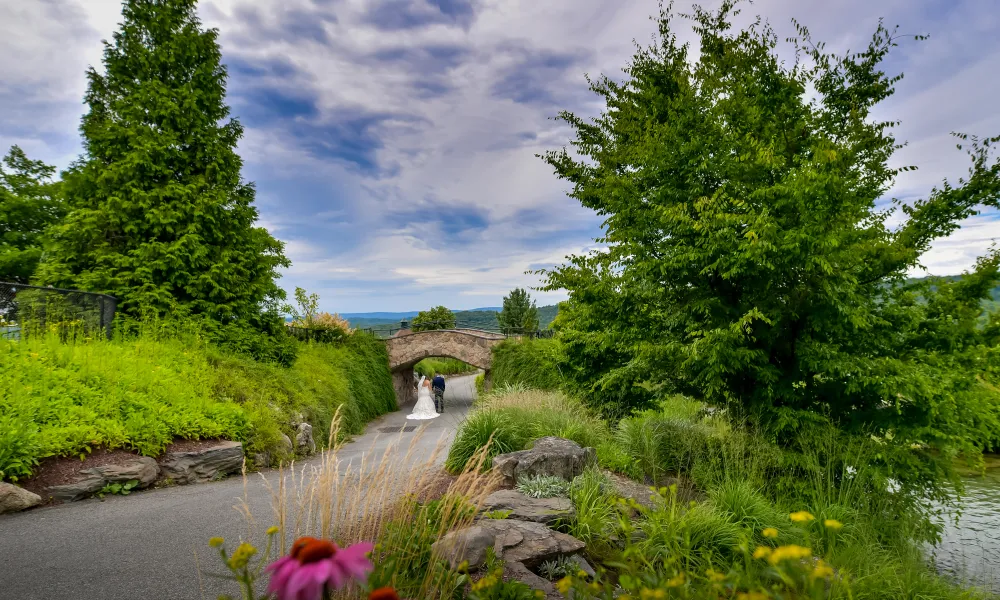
<point x="444" y="141"/>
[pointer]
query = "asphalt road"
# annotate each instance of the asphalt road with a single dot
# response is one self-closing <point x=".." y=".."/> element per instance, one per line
<point x="143" y="545"/>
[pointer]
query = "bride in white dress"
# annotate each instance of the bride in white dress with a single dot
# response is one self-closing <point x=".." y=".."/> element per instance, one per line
<point x="424" y="408"/>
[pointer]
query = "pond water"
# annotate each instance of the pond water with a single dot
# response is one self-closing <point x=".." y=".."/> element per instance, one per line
<point x="970" y="546"/>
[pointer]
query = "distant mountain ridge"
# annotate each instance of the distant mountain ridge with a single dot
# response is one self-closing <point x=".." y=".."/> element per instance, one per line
<point x="476" y="318"/>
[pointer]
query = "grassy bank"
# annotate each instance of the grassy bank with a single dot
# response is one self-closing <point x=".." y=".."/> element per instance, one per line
<point x="819" y="519"/>
<point x="442" y="366"/>
<point x="143" y="391"/>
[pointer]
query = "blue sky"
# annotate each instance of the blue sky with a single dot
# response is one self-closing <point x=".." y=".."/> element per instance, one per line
<point x="393" y="142"/>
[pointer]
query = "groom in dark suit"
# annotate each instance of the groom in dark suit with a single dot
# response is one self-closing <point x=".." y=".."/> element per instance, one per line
<point x="437" y="384"/>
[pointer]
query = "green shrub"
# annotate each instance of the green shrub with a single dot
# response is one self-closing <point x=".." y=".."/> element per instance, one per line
<point x="596" y="514"/>
<point x="480" y="428"/>
<point x="516" y="416"/>
<point x="532" y="362"/>
<point x="159" y="382"/>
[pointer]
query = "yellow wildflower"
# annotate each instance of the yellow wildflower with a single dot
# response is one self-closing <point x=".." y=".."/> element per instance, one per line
<point x="822" y="570"/>
<point x="752" y="596"/>
<point x="715" y="576"/>
<point x="540" y="594"/>
<point x="594" y="586"/>
<point x="801" y="516"/>
<point x="581" y="574"/>
<point x="273" y="529"/>
<point x="242" y="556"/>
<point x="762" y="552"/>
<point x="833" y="524"/>
<point x="676" y="581"/>
<point x="216" y="542"/>
<point x="564" y="584"/>
<point x="769" y="532"/>
<point x="790" y="552"/>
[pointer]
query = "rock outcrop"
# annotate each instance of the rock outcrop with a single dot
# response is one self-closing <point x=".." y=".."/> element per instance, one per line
<point x="549" y="456"/>
<point x="529" y="542"/>
<point x="465" y="545"/>
<point x="526" y="508"/>
<point x="14" y="498"/>
<point x="142" y="469"/>
<point x="304" y="443"/>
<point x="203" y="465"/>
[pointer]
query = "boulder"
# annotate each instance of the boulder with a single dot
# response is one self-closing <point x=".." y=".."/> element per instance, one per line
<point x="463" y="545"/>
<point x="549" y="456"/>
<point x="14" y="498"/>
<point x="528" y="542"/>
<point x="77" y="490"/>
<point x="304" y="442"/>
<point x="516" y="570"/>
<point x="526" y="508"/>
<point x="584" y="565"/>
<point x="261" y="460"/>
<point x="142" y="469"/>
<point x="203" y="465"/>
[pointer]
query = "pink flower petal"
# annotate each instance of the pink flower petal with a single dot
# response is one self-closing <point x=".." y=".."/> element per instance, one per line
<point x="302" y="585"/>
<point x="281" y="571"/>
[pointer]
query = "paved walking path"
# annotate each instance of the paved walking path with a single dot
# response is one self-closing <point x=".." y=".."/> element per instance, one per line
<point x="142" y="546"/>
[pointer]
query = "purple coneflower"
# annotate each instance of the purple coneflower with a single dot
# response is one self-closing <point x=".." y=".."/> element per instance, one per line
<point x="315" y="566"/>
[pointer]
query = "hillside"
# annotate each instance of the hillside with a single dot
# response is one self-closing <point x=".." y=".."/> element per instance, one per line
<point x="482" y="318"/>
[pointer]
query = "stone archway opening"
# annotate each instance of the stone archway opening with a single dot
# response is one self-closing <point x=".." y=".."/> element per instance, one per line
<point x="469" y="346"/>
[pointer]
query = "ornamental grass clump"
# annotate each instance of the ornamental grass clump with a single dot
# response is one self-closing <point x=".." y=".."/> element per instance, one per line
<point x="364" y="527"/>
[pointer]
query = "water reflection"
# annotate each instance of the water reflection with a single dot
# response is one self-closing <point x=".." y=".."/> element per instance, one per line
<point x="970" y="548"/>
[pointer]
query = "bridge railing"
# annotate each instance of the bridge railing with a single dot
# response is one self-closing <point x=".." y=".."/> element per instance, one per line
<point x="388" y="331"/>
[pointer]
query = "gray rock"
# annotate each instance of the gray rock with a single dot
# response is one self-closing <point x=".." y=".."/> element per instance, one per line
<point x="262" y="460"/>
<point x="467" y="544"/>
<point x="304" y="442"/>
<point x="142" y="469"/>
<point x="529" y="542"/>
<point x="14" y="498"/>
<point x="549" y="456"/>
<point x="77" y="490"/>
<point x="526" y="508"/>
<point x="203" y="465"/>
<point x="584" y="565"/>
<point x="516" y="570"/>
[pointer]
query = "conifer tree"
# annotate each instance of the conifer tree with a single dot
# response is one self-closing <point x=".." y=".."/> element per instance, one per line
<point x="160" y="216"/>
<point x="519" y="314"/>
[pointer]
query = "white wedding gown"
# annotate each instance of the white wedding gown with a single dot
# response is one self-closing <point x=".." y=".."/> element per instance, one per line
<point x="424" y="408"/>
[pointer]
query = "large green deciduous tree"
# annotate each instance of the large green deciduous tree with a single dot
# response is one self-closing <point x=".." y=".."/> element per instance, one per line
<point x="749" y="260"/>
<point x="519" y="314"/>
<point x="439" y="317"/>
<point x="160" y="214"/>
<point x="30" y="202"/>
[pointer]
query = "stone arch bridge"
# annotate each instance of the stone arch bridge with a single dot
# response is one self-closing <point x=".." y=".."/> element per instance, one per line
<point x="407" y="348"/>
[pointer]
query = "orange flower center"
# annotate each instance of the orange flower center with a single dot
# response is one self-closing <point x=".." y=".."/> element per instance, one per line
<point x="384" y="593"/>
<point x="308" y="550"/>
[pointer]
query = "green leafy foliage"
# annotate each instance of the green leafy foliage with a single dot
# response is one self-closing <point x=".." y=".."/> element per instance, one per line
<point x="438" y="317"/>
<point x="156" y="384"/>
<point x="519" y="314"/>
<point x="536" y="363"/>
<point x="159" y="215"/>
<point x="747" y="262"/>
<point x="29" y="203"/>
<point x="120" y="488"/>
